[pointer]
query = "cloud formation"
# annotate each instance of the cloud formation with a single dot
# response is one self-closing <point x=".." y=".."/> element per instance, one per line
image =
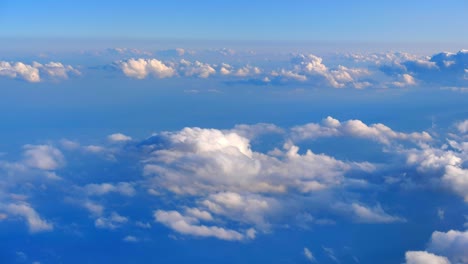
<point x="33" y="72"/>
<point x="206" y="182"/>
<point x="331" y="127"/>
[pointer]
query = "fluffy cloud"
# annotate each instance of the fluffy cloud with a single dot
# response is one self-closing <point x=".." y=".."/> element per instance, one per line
<point x="423" y="257"/>
<point x="43" y="157"/>
<point x="452" y="244"/>
<point x="444" y="68"/>
<point x="141" y="68"/>
<point x="199" y="69"/>
<point x="213" y="183"/>
<point x="332" y="127"/>
<point x="33" y="72"/>
<point x="311" y="67"/>
<point x="190" y="226"/>
<point x="444" y="247"/>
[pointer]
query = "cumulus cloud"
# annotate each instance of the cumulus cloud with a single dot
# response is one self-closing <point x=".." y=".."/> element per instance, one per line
<point x="199" y="69"/>
<point x="446" y="68"/>
<point x="33" y="72"/>
<point x="452" y="244"/>
<point x="423" y="257"/>
<point x="20" y="70"/>
<point x="331" y="127"/>
<point x="444" y="247"/>
<point x="311" y="67"/>
<point x="43" y="157"/>
<point x="213" y="183"/>
<point x="190" y="226"/>
<point x="141" y="68"/>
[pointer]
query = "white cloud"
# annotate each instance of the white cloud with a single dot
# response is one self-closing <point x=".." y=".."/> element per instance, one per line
<point x="457" y="179"/>
<point x="463" y="126"/>
<point x="119" y="137"/>
<point x="32" y="73"/>
<point x="308" y="254"/>
<point x="20" y="70"/>
<point x="123" y="188"/>
<point x="405" y="80"/>
<point x="423" y="257"/>
<point x="33" y="219"/>
<point x="112" y="222"/>
<point x="311" y="67"/>
<point x="372" y="215"/>
<point x="141" y="68"/>
<point x="452" y="244"/>
<point x="332" y="127"/>
<point x="189" y="226"/>
<point x="243" y="208"/>
<point x="93" y="208"/>
<point x="199" y="214"/>
<point x="202" y="70"/>
<point x="43" y="157"/>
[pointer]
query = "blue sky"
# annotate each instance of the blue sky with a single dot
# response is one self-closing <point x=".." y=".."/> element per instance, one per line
<point x="362" y="21"/>
<point x="234" y="132"/>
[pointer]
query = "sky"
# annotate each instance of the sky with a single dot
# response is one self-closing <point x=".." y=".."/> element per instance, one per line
<point x="361" y="21"/>
<point x="234" y="132"/>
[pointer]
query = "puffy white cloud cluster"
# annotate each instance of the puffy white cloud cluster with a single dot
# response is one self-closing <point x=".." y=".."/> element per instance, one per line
<point x="448" y="162"/>
<point x="33" y="72"/>
<point x="245" y="71"/>
<point x="304" y="68"/>
<point x="382" y="58"/>
<point x="331" y="127"/>
<point x="447" y="69"/>
<point x="214" y="183"/>
<point x="43" y="157"/>
<point x="311" y="67"/>
<point x="199" y="69"/>
<point x="38" y="165"/>
<point x="231" y="181"/>
<point x="444" y="247"/>
<point x="213" y="158"/>
<point x="141" y="68"/>
<point x="423" y="257"/>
